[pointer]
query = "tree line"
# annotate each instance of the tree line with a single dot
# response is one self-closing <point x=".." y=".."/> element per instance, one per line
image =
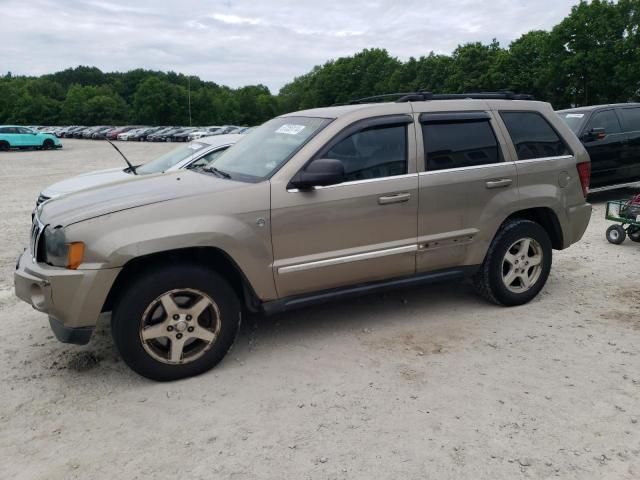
<point x="592" y="56"/>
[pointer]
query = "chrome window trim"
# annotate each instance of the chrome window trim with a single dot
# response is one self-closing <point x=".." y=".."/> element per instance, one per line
<point x="489" y="165"/>
<point x="545" y="159"/>
<point x="470" y="167"/>
<point x="300" y="267"/>
<point x="355" y="182"/>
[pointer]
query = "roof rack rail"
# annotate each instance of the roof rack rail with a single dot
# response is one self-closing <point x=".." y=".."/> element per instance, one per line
<point x="422" y="96"/>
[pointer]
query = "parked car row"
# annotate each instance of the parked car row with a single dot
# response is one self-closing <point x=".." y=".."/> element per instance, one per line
<point x="140" y="133"/>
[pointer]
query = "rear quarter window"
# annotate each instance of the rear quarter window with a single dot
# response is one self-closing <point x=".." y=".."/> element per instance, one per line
<point x="533" y="136"/>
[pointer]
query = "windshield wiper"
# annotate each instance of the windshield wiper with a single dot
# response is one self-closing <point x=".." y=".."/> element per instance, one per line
<point x="220" y="173"/>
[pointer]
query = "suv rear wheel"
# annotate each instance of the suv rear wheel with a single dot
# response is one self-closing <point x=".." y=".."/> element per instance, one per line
<point x="517" y="264"/>
<point x="175" y="322"/>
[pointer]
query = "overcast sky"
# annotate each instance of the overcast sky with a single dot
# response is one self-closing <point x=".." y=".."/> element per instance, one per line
<point x="240" y="42"/>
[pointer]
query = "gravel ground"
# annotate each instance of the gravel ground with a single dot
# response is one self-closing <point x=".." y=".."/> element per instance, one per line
<point x="424" y="383"/>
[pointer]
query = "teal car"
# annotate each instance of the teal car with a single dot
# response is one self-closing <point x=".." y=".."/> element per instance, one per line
<point x="13" y="136"/>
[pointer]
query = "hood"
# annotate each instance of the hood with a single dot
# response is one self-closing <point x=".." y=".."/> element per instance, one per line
<point x="84" y="181"/>
<point x="135" y="191"/>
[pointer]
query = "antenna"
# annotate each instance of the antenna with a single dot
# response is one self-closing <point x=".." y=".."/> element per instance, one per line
<point x="131" y="167"/>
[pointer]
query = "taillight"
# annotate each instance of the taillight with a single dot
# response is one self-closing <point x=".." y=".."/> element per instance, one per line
<point x="584" y="172"/>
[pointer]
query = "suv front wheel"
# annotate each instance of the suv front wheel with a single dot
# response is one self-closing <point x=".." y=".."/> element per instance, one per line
<point x="517" y="264"/>
<point x="175" y="322"/>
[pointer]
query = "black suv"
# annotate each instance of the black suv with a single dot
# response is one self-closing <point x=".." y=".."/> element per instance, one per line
<point x="611" y="135"/>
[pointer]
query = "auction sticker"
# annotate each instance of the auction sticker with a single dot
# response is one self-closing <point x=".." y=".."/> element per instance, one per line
<point x="575" y="115"/>
<point x="290" y="129"/>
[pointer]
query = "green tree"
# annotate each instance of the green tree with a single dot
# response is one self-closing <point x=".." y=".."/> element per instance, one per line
<point x="158" y="102"/>
<point x="586" y="48"/>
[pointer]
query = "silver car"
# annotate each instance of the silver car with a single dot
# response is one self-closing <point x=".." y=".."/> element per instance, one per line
<point x="204" y="150"/>
<point x="315" y="205"/>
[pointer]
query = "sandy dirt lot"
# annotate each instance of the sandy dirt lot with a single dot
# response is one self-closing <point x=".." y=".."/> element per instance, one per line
<point x="425" y="383"/>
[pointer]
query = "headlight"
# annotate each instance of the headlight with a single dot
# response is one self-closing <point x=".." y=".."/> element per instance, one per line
<point x="58" y="252"/>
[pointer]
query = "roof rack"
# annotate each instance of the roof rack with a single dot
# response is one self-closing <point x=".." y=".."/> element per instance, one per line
<point x="422" y="96"/>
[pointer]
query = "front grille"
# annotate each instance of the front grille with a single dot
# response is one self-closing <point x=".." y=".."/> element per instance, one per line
<point x="36" y="243"/>
<point x="41" y="200"/>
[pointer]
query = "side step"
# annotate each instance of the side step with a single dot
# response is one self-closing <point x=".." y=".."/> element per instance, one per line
<point x="298" y="301"/>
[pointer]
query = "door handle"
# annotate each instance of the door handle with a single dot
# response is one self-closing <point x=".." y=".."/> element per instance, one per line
<point x="503" y="182"/>
<point x="395" y="198"/>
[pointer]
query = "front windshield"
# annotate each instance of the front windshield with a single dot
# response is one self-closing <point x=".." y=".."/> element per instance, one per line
<point x="574" y="120"/>
<point x="268" y="147"/>
<point x="170" y="159"/>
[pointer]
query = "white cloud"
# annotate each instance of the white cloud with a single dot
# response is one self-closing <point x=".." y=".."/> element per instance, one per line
<point x="239" y="42"/>
<point x="236" y="20"/>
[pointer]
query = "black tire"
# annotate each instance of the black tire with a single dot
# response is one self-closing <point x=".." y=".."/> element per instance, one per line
<point x="634" y="234"/>
<point x="4" y="146"/>
<point x="616" y="234"/>
<point x="47" y="144"/>
<point x="488" y="280"/>
<point x="127" y="319"/>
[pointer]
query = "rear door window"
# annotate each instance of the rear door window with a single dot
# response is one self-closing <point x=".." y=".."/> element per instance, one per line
<point x="532" y="136"/>
<point x="607" y="120"/>
<point x="630" y="119"/>
<point x="458" y="144"/>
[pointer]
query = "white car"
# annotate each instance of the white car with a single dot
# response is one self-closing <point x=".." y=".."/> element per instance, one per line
<point x="125" y="135"/>
<point x="199" y="153"/>
<point x="205" y="132"/>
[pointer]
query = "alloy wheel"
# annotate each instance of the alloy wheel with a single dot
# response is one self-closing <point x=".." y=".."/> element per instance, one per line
<point x="179" y="326"/>
<point x="522" y="265"/>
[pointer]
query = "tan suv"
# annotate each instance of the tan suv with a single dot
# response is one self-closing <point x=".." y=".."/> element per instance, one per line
<point x="309" y="207"/>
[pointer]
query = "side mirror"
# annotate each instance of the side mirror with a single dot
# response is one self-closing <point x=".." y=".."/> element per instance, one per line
<point x="319" y="173"/>
<point x="596" y="133"/>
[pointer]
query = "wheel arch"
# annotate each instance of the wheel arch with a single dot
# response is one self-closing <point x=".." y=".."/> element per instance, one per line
<point x="215" y="258"/>
<point x="547" y="219"/>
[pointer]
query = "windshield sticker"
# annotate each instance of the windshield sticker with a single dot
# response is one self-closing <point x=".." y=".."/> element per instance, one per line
<point x="575" y="115"/>
<point x="195" y="146"/>
<point x="290" y="129"/>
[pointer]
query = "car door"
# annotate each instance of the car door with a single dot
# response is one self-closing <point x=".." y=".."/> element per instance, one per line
<point x="606" y="148"/>
<point x="358" y="231"/>
<point x="630" y="117"/>
<point x="12" y="135"/>
<point x="27" y="137"/>
<point x="466" y="184"/>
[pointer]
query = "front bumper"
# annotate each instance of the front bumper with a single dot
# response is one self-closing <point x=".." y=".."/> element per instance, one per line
<point x="73" y="299"/>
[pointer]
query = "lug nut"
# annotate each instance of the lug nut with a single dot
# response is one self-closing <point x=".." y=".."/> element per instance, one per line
<point x="189" y="317"/>
<point x="176" y="316"/>
<point x="179" y="336"/>
<point x="170" y="328"/>
<point x="191" y="329"/>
